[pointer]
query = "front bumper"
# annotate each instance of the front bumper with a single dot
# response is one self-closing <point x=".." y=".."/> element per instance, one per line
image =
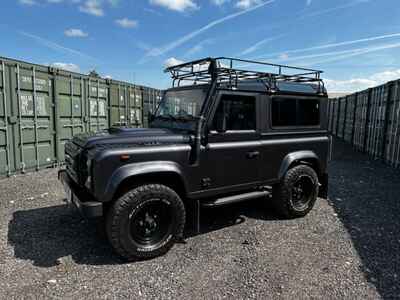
<point x="79" y="198"/>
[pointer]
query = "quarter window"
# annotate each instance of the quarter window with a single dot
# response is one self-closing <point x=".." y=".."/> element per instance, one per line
<point x="239" y="112"/>
<point x="295" y="112"/>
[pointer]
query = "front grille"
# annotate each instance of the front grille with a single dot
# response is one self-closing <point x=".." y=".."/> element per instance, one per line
<point x="72" y="154"/>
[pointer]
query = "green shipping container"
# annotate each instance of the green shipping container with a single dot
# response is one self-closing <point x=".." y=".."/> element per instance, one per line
<point x="151" y="99"/>
<point x="42" y="107"/>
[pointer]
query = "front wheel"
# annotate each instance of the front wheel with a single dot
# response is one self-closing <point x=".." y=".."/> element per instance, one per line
<point x="296" y="194"/>
<point x="146" y="222"/>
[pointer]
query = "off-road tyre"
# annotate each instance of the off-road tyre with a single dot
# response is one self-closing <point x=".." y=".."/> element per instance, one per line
<point x="127" y="212"/>
<point x="285" y="195"/>
<point x="100" y="225"/>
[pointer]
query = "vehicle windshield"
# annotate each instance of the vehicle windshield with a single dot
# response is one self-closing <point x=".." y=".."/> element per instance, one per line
<point x="180" y="108"/>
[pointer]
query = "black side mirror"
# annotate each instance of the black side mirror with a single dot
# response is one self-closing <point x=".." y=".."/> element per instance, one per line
<point x="150" y="117"/>
<point x="204" y="136"/>
<point x="220" y="125"/>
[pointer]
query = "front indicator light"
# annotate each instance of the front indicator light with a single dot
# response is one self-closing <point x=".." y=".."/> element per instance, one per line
<point x="124" y="157"/>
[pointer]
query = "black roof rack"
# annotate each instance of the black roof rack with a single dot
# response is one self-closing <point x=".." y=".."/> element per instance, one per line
<point x="230" y="72"/>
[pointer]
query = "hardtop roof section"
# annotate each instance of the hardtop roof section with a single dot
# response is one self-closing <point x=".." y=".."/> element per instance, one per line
<point x="237" y="73"/>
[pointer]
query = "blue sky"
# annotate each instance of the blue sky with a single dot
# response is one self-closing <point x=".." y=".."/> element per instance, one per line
<point x="356" y="42"/>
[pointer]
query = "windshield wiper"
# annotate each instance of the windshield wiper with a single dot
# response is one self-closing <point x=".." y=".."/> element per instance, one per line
<point x="182" y="118"/>
<point x="186" y="118"/>
<point x="168" y="117"/>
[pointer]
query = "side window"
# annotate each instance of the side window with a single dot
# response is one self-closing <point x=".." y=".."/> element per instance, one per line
<point x="295" y="112"/>
<point x="239" y="112"/>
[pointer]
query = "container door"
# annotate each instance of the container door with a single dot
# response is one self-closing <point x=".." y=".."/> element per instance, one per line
<point x="135" y="107"/>
<point x="7" y="166"/>
<point x="118" y="107"/>
<point x="71" y="109"/>
<point x="35" y="139"/>
<point x="97" y="92"/>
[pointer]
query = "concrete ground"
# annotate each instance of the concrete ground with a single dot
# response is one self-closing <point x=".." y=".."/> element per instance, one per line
<point x="347" y="247"/>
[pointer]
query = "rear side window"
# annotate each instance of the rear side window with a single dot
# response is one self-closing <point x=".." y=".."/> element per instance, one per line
<point x="288" y="112"/>
<point x="239" y="112"/>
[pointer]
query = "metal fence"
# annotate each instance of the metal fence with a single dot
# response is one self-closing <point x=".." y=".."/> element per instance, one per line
<point x="42" y="107"/>
<point x="370" y="121"/>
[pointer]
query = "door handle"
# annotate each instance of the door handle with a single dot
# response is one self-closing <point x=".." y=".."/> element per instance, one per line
<point x="252" y="154"/>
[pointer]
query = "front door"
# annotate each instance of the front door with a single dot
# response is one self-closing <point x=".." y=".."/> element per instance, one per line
<point x="230" y="160"/>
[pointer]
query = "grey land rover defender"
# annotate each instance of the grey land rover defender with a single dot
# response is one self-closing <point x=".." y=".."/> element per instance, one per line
<point x="228" y="130"/>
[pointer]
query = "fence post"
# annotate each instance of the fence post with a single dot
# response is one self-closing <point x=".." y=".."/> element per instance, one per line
<point x="332" y="114"/>
<point x="386" y="121"/>
<point x="354" y="117"/>
<point x="346" y="100"/>
<point x="56" y="110"/>
<point x="367" y="120"/>
<point x="328" y="114"/>
<point x="338" y="117"/>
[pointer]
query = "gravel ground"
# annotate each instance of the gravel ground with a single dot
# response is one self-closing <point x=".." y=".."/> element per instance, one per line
<point x="347" y="247"/>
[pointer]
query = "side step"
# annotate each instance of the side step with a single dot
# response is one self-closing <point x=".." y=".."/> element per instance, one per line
<point x="236" y="198"/>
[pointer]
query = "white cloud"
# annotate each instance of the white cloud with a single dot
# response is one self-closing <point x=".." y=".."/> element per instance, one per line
<point x="126" y="23"/>
<point x="152" y="11"/>
<point x="177" y="5"/>
<point x="386" y="76"/>
<point x="54" y="46"/>
<point x="284" y="56"/>
<point x="74" y="32"/>
<point x="348" y="86"/>
<point x="334" y="45"/>
<point x="143" y="46"/>
<point x="113" y="2"/>
<point x="329" y="10"/>
<point x="66" y="66"/>
<point x="219" y="2"/>
<point x="172" y="61"/>
<point x="257" y="45"/>
<point x="174" y="44"/>
<point x="195" y="49"/>
<point x="333" y="56"/>
<point x="92" y="7"/>
<point x="353" y="53"/>
<point x="358" y="84"/>
<point x="199" y="47"/>
<point x="246" y="4"/>
<point x="27" y="2"/>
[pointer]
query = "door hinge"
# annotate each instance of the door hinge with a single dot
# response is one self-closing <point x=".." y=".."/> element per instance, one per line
<point x="12" y="119"/>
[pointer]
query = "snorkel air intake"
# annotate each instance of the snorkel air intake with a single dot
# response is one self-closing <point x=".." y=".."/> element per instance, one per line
<point x="196" y="148"/>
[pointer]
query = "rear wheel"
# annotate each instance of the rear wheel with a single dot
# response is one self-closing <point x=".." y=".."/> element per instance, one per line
<point x="296" y="194"/>
<point x="146" y="221"/>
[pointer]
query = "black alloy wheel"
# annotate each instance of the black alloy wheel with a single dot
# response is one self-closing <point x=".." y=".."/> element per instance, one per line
<point x="302" y="192"/>
<point x="151" y="223"/>
<point x="146" y="221"/>
<point x="297" y="192"/>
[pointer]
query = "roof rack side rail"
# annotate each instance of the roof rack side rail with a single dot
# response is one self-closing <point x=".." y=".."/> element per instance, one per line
<point x="223" y="70"/>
